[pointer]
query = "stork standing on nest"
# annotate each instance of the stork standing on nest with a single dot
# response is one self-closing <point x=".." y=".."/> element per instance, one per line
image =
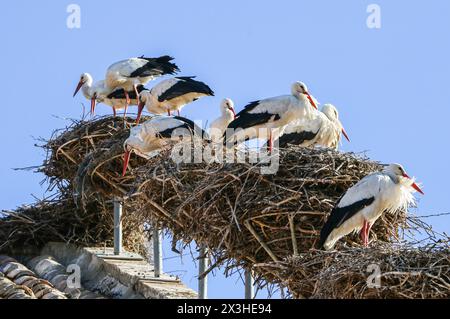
<point x="118" y="99"/>
<point x="129" y="74"/>
<point x="172" y="95"/>
<point x="324" y="129"/>
<point x="153" y="135"/>
<point x="362" y="204"/>
<point x="218" y="127"/>
<point x="100" y="93"/>
<point x="271" y="113"/>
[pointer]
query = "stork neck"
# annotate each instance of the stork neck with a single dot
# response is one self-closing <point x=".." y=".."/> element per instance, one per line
<point x="392" y="176"/>
<point x="86" y="88"/>
<point x="227" y="114"/>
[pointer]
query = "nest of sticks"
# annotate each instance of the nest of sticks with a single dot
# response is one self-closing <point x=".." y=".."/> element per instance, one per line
<point x="233" y="209"/>
<point x="242" y="216"/>
<point x="383" y="271"/>
<point x="59" y="219"/>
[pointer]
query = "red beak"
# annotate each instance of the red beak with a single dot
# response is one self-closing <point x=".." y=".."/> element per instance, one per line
<point x="80" y="84"/>
<point x="126" y="160"/>
<point x="311" y="100"/>
<point x="345" y="134"/>
<point x="414" y="185"/>
<point x="93" y="100"/>
<point x="234" y="113"/>
<point x="140" y="109"/>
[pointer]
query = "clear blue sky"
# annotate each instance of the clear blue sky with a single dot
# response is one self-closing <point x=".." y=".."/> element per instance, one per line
<point x="391" y="85"/>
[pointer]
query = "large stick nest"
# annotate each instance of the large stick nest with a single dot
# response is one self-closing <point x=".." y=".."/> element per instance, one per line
<point x="381" y="271"/>
<point x="242" y="216"/>
<point x="232" y="208"/>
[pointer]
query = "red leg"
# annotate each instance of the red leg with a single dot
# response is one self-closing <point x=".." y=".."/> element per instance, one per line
<point x="362" y="232"/>
<point x="168" y="112"/>
<point x="366" y="234"/>
<point x="125" y="111"/>
<point x="369" y="227"/>
<point x="270" y="141"/>
<point x="127" y="97"/>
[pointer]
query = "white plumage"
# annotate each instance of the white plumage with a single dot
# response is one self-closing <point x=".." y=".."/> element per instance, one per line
<point x="219" y="125"/>
<point x="363" y="203"/>
<point x="324" y="129"/>
<point x="128" y="74"/>
<point x="259" y="118"/>
<point x="172" y="95"/>
<point x="148" y="138"/>
<point x="101" y="93"/>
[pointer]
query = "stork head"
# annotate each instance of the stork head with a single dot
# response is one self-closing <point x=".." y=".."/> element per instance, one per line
<point x="144" y="96"/>
<point x="85" y="79"/>
<point x="227" y="108"/>
<point x="333" y="115"/>
<point x="399" y="172"/>
<point x="299" y="88"/>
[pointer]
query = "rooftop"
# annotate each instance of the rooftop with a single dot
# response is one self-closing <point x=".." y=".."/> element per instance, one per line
<point x="66" y="271"/>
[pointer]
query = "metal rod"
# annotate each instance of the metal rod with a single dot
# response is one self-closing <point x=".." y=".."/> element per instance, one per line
<point x="203" y="264"/>
<point x="249" y="285"/>
<point x="157" y="251"/>
<point x="117" y="227"/>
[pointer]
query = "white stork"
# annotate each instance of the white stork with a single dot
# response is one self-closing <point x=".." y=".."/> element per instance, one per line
<point x="90" y="90"/>
<point x="171" y="95"/>
<point x="128" y="74"/>
<point x="363" y="203"/>
<point x="151" y="136"/>
<point x="272" y="113"/>
<point x="219" y="125"/>
<point x="100" y="93"/>
<point x="323" y="129"/>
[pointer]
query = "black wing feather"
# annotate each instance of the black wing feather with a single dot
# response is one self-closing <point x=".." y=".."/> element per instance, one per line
<point x="184" y="86"/>
<point x="120" y="93"/>
<point x="248" y="107"/>
<point x="156" y="67"/>
<point x="246" y="120"/>
<point x="187" y="124"/>
<point x="341" y="214"/>
<point x="296" y="138"/>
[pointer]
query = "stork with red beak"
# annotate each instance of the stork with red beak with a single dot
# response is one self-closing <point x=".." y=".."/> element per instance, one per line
<point x="100" y="93"/>
<point x="92" y="92"/>
<point x="219" y="125"/>
<point x="323" y="129"/>
<point x="383" y="192"/>
<point x="172" y="95"/>
<point x="259" y="118"/>
<point x="148" y="138"/>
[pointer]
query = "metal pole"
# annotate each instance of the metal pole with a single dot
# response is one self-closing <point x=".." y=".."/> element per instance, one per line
<point x="202" y="267"/>
<point x="249" y="290"/>
<point x="117" y="227"/>
<point x="157" y="251"/>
